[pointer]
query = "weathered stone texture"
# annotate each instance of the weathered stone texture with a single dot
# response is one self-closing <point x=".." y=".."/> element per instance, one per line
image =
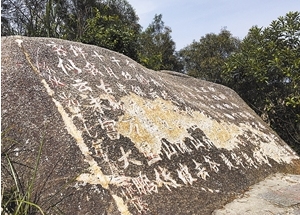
<point x="277" y="194"/>
<point x="134" y="141"/>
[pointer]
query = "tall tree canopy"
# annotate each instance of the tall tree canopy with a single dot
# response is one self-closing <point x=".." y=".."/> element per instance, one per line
<point x="33" y="17"/>
<point x="111" y="24"/>
<point x="265" y="72"/>
<point x="205" y="59"/>
<point x="157" y="48"/>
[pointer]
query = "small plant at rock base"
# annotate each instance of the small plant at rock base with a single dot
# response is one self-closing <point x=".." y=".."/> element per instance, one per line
<point x="14" y="200"/>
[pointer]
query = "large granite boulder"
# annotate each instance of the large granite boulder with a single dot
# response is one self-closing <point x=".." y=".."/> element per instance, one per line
<point x="121" y="139"/>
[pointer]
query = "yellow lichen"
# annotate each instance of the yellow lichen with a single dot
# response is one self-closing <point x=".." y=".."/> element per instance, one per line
<point x="149" y="121"/>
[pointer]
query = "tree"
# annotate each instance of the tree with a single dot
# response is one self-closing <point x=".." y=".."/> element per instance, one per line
<point x="157" y="49"/>
<point x="76" y="21"/>
<point x="112" y="24"/>
<point x="54" y="18"/>
<point x="33" y="17"/>
<point x="205" y="59"/>
<point x="6" y="25"/>
<point x="265" y="72"/>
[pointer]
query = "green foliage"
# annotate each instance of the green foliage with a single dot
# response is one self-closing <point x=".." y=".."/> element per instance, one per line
<point x="111" y="24"/>
<point x="205" y="59"/>
<point x="109" y="31"/>
<point x="34" y="18"/>
<point x="14" y="200"/>
<point x="266" y="74"/>
<point x="157" y="49"/>
<point x="53" y="19"/>
<point x="21" y="195"/>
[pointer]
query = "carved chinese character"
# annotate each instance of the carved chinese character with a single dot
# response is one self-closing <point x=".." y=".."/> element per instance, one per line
<point x="222" y="96"/>
<point x="88" y="131"/>
<point x="60" y="65"/>
<point x="77" y="50"/>
<point x="110" y="127"/>
<point x="114" y="60"/>
<point x="97" y="105"/>
<point x="110" y="72"/>
<point x="73" y="106"/>
<point x="68" y="100"/>
<point x="249" y="160"/>
<point x="209" y="143"/>
<point x="137" y="90"/>
<point x="126" y="159"/>
<point x="98" y="56"/>
<point x="260" y="157"/>
<point x="213" y="165"/>
<point x="130" y="64"/>
<point x="90" y="68"/>
<point x="144" y="185"/>
<point x="153" y="158"/>
<point x="215" y="97"/>
<point x="106" y="88"/>
<point x="184" y="175"/>
<point x="227" y="161"/>
<point x="164" y="94"/>
<point x="156" y="83"/>
<point x="114" y="104"/>
<point x="202" y="170"/>
<point x="129" y="190"/>
<point x="142" y="79"/>
<point x="153" y="94"/>
<point x="98" y="147"/>
<point x="220" y="107"/>
<point x="189" y="111"/>
<point x="238" y="159"/>
<point x="127" y="76"/>
<point x="82" y="86"/>
<point x="59" y="49"/>
<point x="55" y="81"/>
<point x="132" y="126"/>
<point x="192" y="95"/>
<point x="181" y="100"/>
<point x="211" y="89"/>
<point x="184" y="95"/>
<point x="203" y="89"/>
<point x="166" y="180"/>
<point x="227" y="106"/>
<point x="122" y="88"/>
<point x="168" y="150"/>
<point x="235" y="105"/>
<point x="183" y="147"/>
<point x="197" y="143"/>
<point x="73" y="66"/>
<point x="139" y="204"/>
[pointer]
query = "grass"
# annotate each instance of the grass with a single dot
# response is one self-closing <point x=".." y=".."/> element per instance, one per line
<point x="14" y="200"/>
<point x="17" y="198"/>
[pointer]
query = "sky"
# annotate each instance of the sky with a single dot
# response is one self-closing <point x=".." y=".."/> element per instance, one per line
<point x="192" y="19"/>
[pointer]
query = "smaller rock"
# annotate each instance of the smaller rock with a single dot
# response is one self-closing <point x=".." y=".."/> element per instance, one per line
<point x="277" y="194"/>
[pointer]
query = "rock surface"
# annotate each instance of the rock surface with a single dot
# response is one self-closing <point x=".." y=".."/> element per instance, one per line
<point x="278" y="194"/>
<point x="121" y="139"/>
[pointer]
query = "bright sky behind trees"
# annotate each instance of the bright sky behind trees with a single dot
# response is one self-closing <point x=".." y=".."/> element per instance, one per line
<point x="192" y="19"/>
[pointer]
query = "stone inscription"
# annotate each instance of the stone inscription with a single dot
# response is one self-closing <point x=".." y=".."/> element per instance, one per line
<point x="109" y="99"/>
